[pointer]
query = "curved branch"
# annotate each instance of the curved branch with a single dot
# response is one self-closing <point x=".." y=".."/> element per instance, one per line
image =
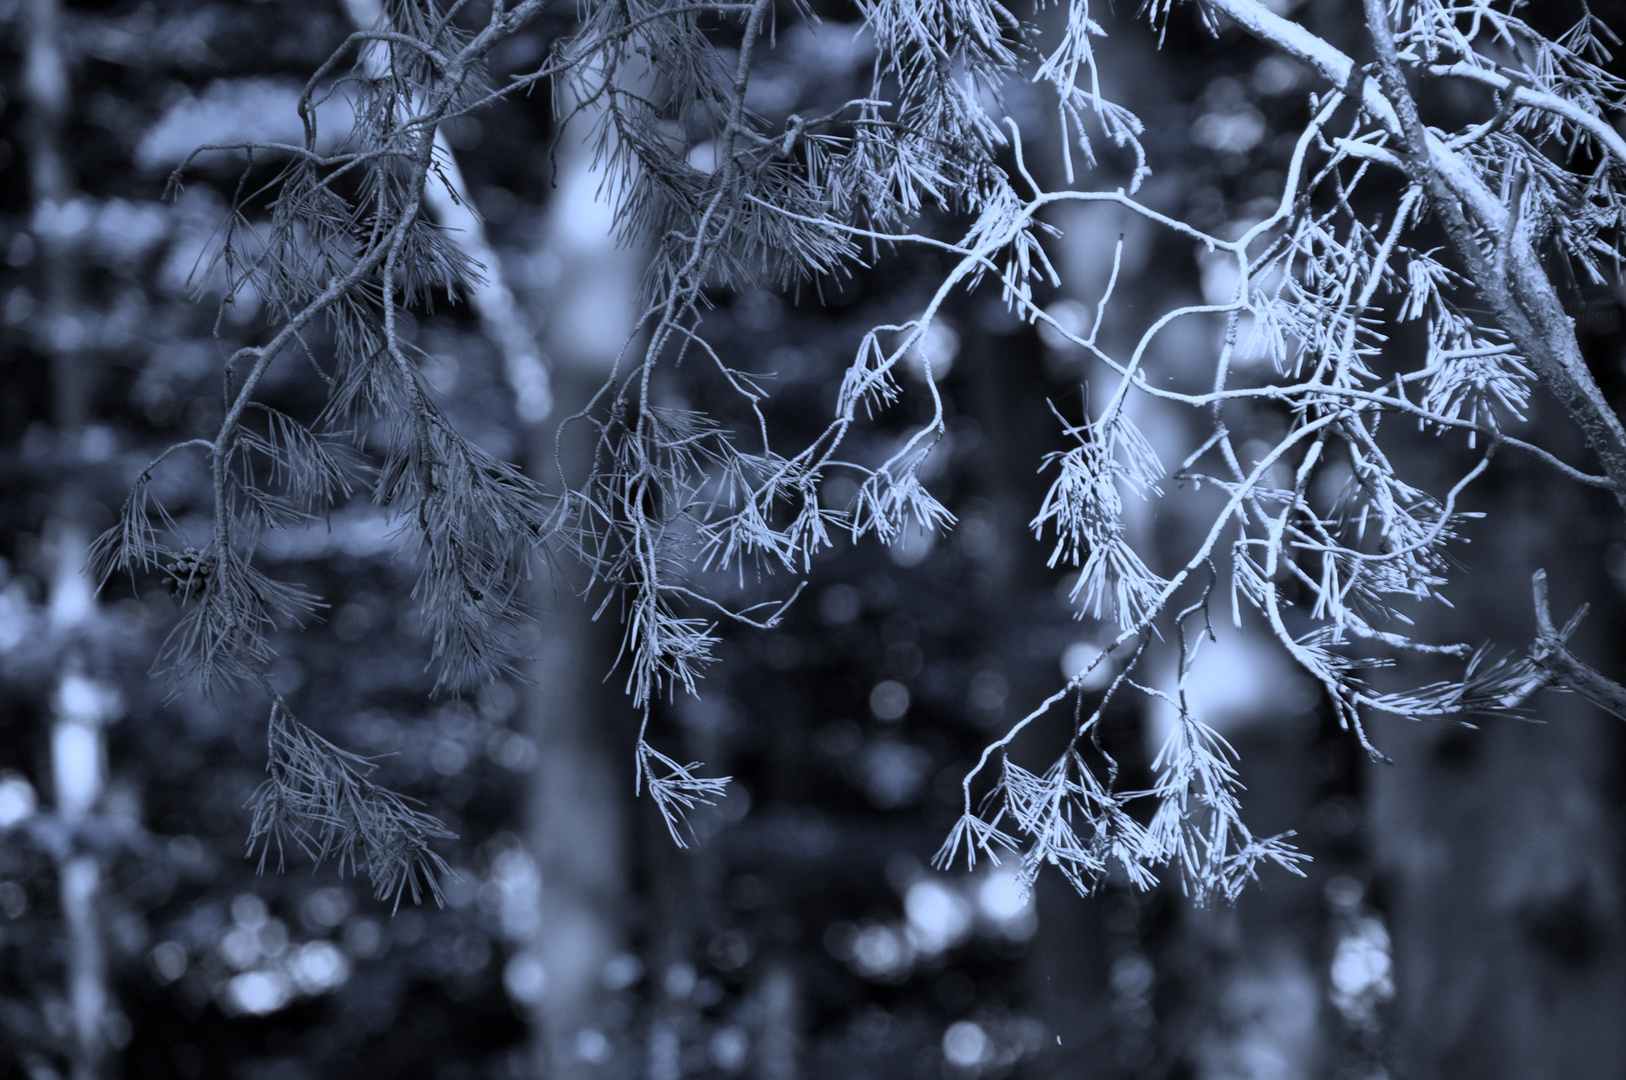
<point x="1524" y="96"/>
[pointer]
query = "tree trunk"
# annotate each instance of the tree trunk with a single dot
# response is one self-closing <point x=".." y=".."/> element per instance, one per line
<point x="1499" y="861"/>
<point x="574" y="825"/>
<point x="78" y="748"/>
<point x="574" y="831"/>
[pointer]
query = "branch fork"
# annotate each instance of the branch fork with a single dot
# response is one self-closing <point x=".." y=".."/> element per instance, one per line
<point x="1555" y="665"/>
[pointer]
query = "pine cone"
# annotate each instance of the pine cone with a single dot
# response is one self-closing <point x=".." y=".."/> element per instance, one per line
<point x="189" y="574"/>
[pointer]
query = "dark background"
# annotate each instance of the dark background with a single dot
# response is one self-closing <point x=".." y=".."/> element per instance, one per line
<point x="1463" y="913"/>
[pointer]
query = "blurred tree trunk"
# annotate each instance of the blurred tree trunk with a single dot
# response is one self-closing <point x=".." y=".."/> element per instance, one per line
<point x="81" y="705"/>
<point x="571" y="820"/>
<point x="574" y="823"/>
<point x="45" y="84"/>
<point x="779" y="1042"/>
<point x="1499" y="852"/>
<point x="573" y="828"/>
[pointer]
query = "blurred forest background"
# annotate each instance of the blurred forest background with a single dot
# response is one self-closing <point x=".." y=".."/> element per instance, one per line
<point x="1463" y="916"/>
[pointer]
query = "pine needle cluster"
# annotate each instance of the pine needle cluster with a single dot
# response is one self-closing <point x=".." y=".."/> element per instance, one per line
<point x="317" y="798"/>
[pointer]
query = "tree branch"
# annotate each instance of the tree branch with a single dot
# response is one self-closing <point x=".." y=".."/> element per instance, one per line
<point x="1523" y="299"/>
<point x="1518" y="290"/>
<point x="1550" y="653"/>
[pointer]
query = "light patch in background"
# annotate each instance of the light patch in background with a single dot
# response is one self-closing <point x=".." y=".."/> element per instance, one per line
<point x="1276" y="75"/>
<point x="729" y="951"/>
<point x="881" y="953"/>
<point x="87" y="701"/>
<point x="585" y="215"/>
<point x="938" y="917"/>
<point x="592" y="299"/>
<point x="965" y="1044"/>
<point x="18" y="801"/>
<point x="840" y="605"/>
<point x="115" y="233"/>
<point x="940" y="913"/>
<point x="257" y="993"/>
<point x="1268" y="1025"/>
<point x="62" y="222"/>
<point x="1066" y="317"/>
<point x="76" y="764"/>
<point x="241" y="110"/>
<point x="977" y="533"/>
<point x="1229" y="123"/>
<point x="912" y="547"/>
<point x="264" y="970"/>
<point x="889" y="700"/>
<point x="937" y="347"/>
<point x="703" y="157"/>
<point x="1234" y="131"/>
<point x="1236" y="680"/>
<point x="318" y="967"/>
<point x="1133" y="980"/>
<point x="16" y="617"/>
<point x="359" y="531"/>
<point x="1219" y="274"/>
<point x="1132" y="975"/>
<point x="621" y="971"/>
<point x="1005" y="905"/>
<point x="1090" y="238"/>
<point x="986" y="696"/>
<point x="679" y="980"/>
<point x="1220" y="279"/>
<point x="525" y="979"/>
<point x="1362" y="973"/>
<point x="168" y="961"/>
<point x="364" y="938"/>
<point x="1078" y="657"/>
<point x="730" y="1047"/>
<point x="514" y="892"/>
<point x="513" y="751"/>
<point x="592" y="1046"/>
<point x="73" y="594"/>
<point x="13" y="900"/>
<point x="893" y="773"/>
<point x="240" y="947"/>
